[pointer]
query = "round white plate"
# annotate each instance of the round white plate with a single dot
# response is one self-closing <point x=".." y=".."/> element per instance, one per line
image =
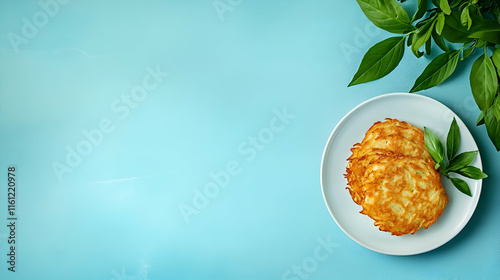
<point x="420" y="111"/>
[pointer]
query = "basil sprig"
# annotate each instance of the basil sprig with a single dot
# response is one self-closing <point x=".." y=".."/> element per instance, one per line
<point x="471" y="24"/>
<point x="450" y="161"/>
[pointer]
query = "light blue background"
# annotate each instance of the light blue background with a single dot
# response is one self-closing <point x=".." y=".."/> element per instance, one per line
<point x="116" y="214"/>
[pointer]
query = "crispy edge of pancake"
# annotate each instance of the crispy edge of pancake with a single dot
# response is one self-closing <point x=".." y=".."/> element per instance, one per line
<point x="410" y="197"/>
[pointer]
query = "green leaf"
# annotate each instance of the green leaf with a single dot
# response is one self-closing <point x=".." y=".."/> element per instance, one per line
<point x="380" y="60"/>
<point x="492" y="127"/>
<point x="434" y="146"/>
<point x="483" y="82"/>
<point x="472" y="172"/>
<point x="440" y="23"/>
<point x="485" y="29"/>
<point x="480" y="119"/>
<point x="422" y="8"/>
<point x="428" y="47"/>
<point x="444" y="6"/>
<point x="386" y="14"/>
<point x="465" y="18"/>
<point x="468" y="51"/>
<point x="438" y="70"/>
<point x="461" y="185"/>
<point x="453" y="140"/>
<point x="461" y="161"/>
<point x="421" y="36"/>
<point x="496" y="59"/>
<point x="454" y="31"/>
<point x="496" y="108"/>
<point x="439" y="41"/>
<point x="455" y="3"/>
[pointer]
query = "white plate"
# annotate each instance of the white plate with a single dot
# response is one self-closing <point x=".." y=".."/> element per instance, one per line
<point x="420" y="111"/>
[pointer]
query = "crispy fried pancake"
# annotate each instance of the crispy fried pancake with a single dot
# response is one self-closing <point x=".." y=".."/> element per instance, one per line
<point x="403" y="194"/>
<point x="390" y="148"/>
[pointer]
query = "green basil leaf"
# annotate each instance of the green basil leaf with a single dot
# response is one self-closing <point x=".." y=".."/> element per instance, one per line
<point x="380" y="60"/>
<point x="453" y="140"/>
<point x="428" y="47"/>
<point x="496" y="59"/>
<point x="386" y="14"/>
<point x="444" y="6"/>
<point x="468" y="51"/>
<point x="439" y="41"/>
<point x="492" y="127"/>
<point x="471" y="172"/>
<point x="438" y="70"/>
<point x="483" y="82"/>
<point x="461" y="185"/>
<point x="480" y="119"/>
<point x="455" y="3"/>
<point x="434" y="146"/>
<point x="496" y="108"/>
<point x="422" y="8"/>
<point x="461" y="160"/>
<point x="481" y="44"/>
<point x="421" y="36"/>
<point x="454" y="31"/>
<point x="485" y="29"/>
<point x="440" y="23"/>
<point x="465" y="18"/>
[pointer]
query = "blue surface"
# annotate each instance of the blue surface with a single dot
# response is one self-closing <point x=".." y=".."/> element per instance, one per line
<point x="183" y="140"/>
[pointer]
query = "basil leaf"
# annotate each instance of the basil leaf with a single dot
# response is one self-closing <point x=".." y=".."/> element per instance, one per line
<point x="444" y="6"/>
<point x="465" y="18"/>
<point x="496" y="108"/>
<point x="439" y="41"/>
<point x="380" y="60"/>
<point x="453" y="140"/>
<point x="461" y="185"/>
<point x="454" y="31"/>
<point x="428" y="47"/>
<point x="440" y="23"/>
<point x="455" y="3"/>
<point x="386" y="14"/>
<point x="496" y="59"/>
<point x="434" y="146"/>
<point x="483" y="82"/>
<point x="421" y="36"/>
<point x="462" y="160"/>
<point x="422" y="8"/>
<point x="472" y="172"/>
<point x="438" y="70"/>
<point x="468" y="51"/>
<point x="480" y="119"/>
<point x="485" y="29"/>
<point x="492" y="127"/>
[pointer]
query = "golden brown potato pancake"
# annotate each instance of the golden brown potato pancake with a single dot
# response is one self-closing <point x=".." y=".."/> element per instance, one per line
<point x="392" y="176"/>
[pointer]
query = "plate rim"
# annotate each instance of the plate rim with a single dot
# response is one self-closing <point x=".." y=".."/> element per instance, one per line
<point x="328" y="145"/>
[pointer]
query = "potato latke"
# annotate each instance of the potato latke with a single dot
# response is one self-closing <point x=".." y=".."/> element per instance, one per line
<point x="392" y="176"/>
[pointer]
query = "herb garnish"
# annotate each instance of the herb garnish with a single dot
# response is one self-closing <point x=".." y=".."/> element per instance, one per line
<point x="471" y="24"/>
<point x="451" y="162"/>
